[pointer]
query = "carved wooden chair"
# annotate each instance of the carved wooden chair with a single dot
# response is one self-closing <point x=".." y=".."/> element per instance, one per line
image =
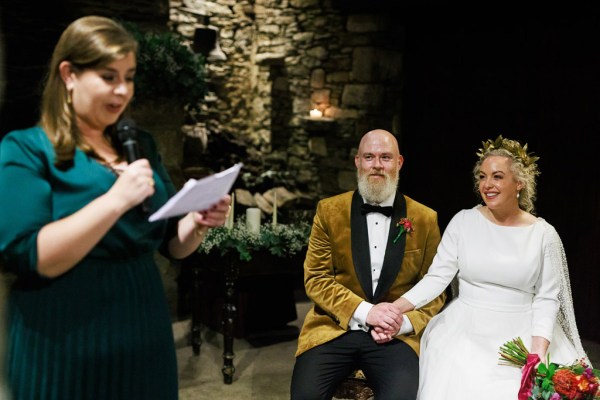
<point x="354" y="387"/>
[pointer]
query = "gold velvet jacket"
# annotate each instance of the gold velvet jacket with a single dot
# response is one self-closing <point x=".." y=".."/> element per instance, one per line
<point x="337" y="271"/>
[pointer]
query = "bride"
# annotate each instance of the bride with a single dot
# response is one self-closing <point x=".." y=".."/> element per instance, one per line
<point x="513" y="282"/>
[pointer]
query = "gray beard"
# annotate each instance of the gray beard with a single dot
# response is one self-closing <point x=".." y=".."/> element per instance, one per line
<point x="376" y="193"/>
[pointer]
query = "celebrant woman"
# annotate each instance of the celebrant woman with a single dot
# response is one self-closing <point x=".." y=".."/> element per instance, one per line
<point x="87" y="314"/>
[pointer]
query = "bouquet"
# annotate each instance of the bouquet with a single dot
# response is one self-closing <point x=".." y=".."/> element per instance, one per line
<point x="550" y="381"/>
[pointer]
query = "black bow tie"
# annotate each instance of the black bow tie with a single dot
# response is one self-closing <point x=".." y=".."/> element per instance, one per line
<point x="367" y="208"/>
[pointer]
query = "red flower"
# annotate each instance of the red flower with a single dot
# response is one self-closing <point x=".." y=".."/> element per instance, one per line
<point x="586" y="384"/>
<point x="405" y="225"/>
<point x="565" y="383"/>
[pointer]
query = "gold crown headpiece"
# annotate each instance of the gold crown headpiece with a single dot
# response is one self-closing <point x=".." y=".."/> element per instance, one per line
<point x="512" y="146"/>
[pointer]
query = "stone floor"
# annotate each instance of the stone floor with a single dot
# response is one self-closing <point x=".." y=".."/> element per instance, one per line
<point x="262" y="372"/>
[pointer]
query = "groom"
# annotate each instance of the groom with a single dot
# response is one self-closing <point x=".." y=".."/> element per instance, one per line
<point x="360" y="260"/>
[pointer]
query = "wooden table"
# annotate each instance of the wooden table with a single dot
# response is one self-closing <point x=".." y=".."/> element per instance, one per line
<point x="241" y="298"/>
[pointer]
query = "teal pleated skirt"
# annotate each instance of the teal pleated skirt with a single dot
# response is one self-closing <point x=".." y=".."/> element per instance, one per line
<point x="101" y="331"/>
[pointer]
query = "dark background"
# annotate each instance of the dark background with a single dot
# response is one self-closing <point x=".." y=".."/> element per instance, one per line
<point x="530" y="75"/>
<point x="470" y="74"/>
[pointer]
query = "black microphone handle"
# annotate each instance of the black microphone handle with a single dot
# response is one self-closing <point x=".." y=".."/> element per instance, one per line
<point x="132" y="153"/>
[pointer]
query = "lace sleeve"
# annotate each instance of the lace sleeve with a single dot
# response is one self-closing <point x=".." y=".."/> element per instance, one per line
<point x="566" y="313"/>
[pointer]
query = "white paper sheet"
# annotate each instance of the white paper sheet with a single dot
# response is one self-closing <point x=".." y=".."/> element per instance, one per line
<point x="198" y="194"/>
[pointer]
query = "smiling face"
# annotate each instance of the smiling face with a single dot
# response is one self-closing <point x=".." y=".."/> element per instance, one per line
<point x="100" y="95"/>
<point x="378" y="164"/>
<point x="497" y="184"/>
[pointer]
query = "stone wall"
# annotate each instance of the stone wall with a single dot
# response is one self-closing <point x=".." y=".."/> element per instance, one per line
<point x="284" y="58"/>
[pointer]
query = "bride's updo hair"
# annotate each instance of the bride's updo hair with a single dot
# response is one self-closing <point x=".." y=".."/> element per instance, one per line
<point x="523" y="167"/>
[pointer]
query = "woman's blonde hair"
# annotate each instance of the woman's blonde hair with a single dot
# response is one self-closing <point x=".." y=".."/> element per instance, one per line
<point x="88" y="42"/>
<point x="523" y="166"/>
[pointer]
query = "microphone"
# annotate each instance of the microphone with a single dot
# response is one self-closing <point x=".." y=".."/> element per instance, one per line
<point x="127" y="134"/>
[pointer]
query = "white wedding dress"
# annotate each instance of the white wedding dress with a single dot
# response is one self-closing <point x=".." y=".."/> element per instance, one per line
<point x="510" y="280"/>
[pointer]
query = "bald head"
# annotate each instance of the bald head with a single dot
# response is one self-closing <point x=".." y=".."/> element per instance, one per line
<point x="381" y="138"/>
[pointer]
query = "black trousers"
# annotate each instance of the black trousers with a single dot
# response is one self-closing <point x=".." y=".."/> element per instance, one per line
<point x="392" y="369"/>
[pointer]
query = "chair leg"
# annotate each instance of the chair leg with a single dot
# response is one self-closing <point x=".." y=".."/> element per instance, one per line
<point x="354" y="387"/>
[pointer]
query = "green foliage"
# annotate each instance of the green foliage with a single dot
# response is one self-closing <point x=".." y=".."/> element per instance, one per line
<point x="280" y="240"/>
<point x="168" y="68"/>
<point x="544" y="388"/>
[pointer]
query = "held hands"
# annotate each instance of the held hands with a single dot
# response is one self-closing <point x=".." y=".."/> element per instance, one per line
<point x="382" y="335"/>
<point x="385" y="320"/>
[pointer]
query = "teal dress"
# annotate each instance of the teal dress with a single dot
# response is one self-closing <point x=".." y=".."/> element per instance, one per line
<point x="102" y="330"/>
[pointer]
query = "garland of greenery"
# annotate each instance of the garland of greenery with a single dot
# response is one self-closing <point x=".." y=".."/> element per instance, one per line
<point x="280" y="240"/>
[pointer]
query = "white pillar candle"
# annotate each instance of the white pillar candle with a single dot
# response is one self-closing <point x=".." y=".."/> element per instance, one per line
<point x="253" y="219"/>
<point x="274" y="208"/>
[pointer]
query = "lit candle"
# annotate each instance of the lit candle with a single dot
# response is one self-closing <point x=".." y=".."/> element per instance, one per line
<point x="274" y="208"/>
<point x="253" y="219"/>
<point x="314" y="113"/>
<point x="231" y="216"/>
<point x="232" y="208"/>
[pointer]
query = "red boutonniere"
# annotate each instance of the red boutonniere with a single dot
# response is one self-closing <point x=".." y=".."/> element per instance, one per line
<point x="405" y="225"/>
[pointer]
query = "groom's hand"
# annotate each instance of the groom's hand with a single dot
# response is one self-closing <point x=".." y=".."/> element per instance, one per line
<point x="380" y="336"/>
<point x="385" y="319"/>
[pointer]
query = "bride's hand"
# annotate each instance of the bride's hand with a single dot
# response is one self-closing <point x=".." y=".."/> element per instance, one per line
<point x="381" y="336"/>
<point x="404" y="305"/>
